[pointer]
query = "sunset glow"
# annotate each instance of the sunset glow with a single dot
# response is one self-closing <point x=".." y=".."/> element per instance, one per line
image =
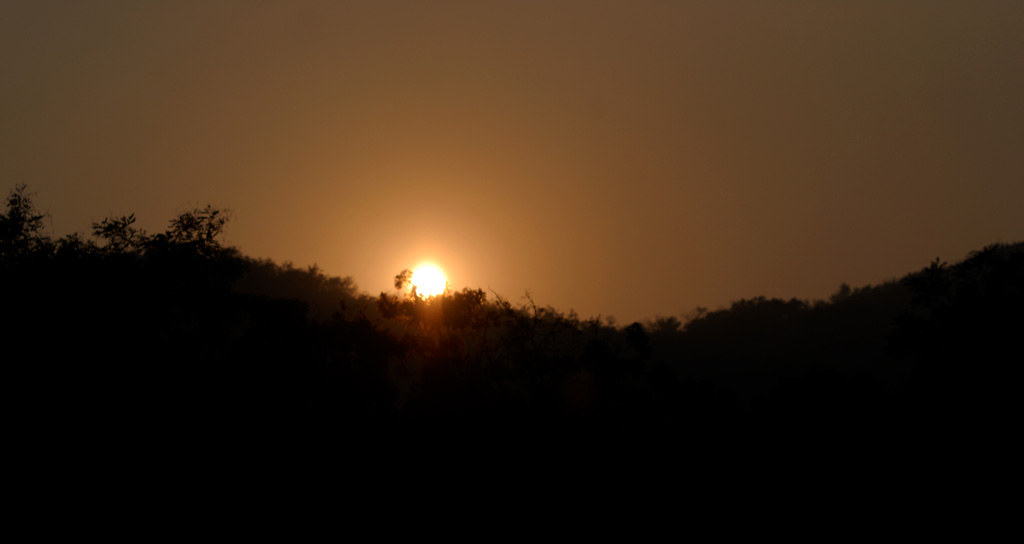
<point x="626" y="159"/>
<point x="675" y="230"/>
<point x="429" y="280"/>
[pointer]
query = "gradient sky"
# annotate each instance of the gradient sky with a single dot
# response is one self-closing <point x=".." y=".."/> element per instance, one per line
<point x="630" y="159"/>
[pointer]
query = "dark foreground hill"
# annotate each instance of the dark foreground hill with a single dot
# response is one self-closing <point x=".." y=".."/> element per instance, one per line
<point x="173" y="342"/>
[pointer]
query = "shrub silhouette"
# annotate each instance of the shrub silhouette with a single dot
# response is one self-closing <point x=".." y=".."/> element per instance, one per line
<point x="138" y="336"/>
<point x="21" y="229"/>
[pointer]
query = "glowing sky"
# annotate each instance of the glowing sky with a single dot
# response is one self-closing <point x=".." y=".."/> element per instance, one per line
<point x="618" y="158"/>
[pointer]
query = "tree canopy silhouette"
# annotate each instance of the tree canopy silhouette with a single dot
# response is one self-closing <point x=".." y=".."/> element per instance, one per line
<point x="174" y="332"/>
<point x="21" y="228"/>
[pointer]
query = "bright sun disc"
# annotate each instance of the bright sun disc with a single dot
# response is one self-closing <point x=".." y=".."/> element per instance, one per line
<point x="429" y="280"/>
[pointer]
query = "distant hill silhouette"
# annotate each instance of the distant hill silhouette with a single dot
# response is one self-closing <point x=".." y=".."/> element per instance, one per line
<point x="167" y="339"/>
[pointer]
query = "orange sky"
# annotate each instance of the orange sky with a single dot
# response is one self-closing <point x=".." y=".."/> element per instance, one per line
<point x="630" y="159"/>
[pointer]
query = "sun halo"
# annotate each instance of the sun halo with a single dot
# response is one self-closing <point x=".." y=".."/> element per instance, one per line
<point x="429" y="280"/>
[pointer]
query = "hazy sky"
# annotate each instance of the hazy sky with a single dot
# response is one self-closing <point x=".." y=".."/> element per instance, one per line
<point x="629" y="158"/>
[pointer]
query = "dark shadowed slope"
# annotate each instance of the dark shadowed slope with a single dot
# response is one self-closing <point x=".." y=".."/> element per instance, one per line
<point x="169" y="340"/>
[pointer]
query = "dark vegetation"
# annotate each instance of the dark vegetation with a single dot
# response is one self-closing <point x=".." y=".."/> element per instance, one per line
<point x="170" y="340"/>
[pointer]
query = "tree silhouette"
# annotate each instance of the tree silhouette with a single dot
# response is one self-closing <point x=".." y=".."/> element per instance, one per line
<point x="131" y="332"/>
<point x="21" y="228"/>
<point x="119" y="234"/>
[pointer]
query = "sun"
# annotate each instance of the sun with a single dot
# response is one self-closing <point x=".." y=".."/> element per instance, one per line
<point x="429" y="280"/>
